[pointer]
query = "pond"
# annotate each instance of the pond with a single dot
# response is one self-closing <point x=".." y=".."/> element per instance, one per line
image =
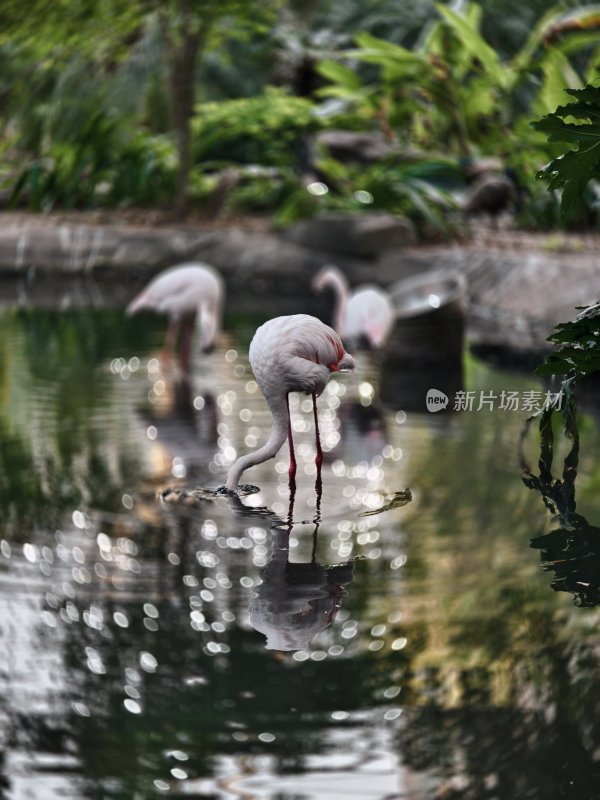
<point x="221" y="648"/>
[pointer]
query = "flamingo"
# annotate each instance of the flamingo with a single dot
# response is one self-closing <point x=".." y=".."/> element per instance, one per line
<point x="189" y="294"/>
<point x="367" y="311"/>
<point x="295" y="353"/>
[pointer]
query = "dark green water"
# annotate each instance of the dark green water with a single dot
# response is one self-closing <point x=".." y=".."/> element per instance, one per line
<point x="428" y="655"/>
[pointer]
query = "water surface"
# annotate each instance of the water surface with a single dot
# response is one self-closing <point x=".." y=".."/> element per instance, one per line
<point x="217" y="651"/>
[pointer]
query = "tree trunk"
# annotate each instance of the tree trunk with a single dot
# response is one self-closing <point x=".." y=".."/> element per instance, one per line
<point x="183" y="47"/>
<point x="182" y="67"/>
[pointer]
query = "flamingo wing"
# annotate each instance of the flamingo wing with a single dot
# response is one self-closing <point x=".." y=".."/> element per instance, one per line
<point x="179" y="290"/>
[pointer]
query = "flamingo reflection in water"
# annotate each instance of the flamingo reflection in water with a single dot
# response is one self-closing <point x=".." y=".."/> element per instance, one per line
<point x="295" y="601"/>
<point x="189" y="294"/>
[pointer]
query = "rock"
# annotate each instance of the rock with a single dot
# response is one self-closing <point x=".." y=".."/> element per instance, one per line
<point x="475" y="167"/>
<point x="490" y="194"/>
<point x="395" y="265"/>
<point x="356" y="146"/>
<point x="515" y="297"/>
<point x="367" y="234"/>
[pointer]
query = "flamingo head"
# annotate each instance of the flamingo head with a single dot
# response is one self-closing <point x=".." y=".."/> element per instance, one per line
<point x="346" y="363"/>
<point x="376" y="337"/>
<point x="328" y="276"/>
<point x="209" y="324"/>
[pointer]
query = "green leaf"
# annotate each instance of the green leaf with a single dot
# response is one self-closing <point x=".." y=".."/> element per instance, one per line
<point x="369" y="42"/>
<point x="523" y="58"/>
<point x="471" y="39"/>
<point x="553" y="366"/>
<point x="572" y="171"/>
<point x="559" y="75"/>
<point x="578" y="351"/>
<point x="343" y="76"/>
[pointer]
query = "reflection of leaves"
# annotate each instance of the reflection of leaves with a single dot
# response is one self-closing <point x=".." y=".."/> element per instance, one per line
<point x="573" y="554"/>
<point x="572" y="551"/>
<point x="574" y="169"/>
<point x="397" y="500"/>
<point x="577" y="356"/>
<point x="558" y="495"/>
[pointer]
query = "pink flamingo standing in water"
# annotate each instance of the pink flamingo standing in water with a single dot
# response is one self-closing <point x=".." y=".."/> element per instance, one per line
<point x="367" y="311"/>
<point x="190" y="294"/>
<point x="296" y="353"/>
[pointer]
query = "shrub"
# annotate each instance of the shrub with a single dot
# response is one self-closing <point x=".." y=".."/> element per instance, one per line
<point x="267" y="129"/>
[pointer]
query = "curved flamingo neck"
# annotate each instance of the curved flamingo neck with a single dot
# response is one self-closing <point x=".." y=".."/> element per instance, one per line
<point x="335" y="279"/>
<point x="278" y="435"/>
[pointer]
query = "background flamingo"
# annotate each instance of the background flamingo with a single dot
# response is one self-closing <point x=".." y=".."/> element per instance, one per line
<point x="365" y="312"/>
<point x="189" y="294"/>
<point x="290" y="354"/>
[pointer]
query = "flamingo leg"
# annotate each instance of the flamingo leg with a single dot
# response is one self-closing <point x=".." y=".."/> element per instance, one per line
<point x="319" y="458"/>
<point x="186" y="343"/>
<point x="170" y="339"/>
<point x="315" y="539"/>
<point x="290" y="516"/>
<point x="292" y="470"/>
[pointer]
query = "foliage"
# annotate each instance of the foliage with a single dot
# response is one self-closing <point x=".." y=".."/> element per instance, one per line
<point x="578" y="354"/>
<point x="397" y="22"/>
<point x="403" y="189"/>
<point x="577" y="357"/>
<point x="407" y="189"/>
<point x="576" y="124"/>
<point x="454" y="87"/>
<point x="426" y="76"/>
<point x="454" y="90"/>
<point x="262" y="191"/>
<point x="266" y="129"/>
<point x="572" y="550"/>
<point x="102" y="33"/>
<point x="557" y="495"/>
<point x="99" y="170"/>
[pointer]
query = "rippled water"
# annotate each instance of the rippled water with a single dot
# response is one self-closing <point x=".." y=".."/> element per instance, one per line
<point x="219" y="650"/>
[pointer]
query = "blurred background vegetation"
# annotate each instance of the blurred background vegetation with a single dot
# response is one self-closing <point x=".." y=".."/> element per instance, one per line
<point x="225" y="107"/>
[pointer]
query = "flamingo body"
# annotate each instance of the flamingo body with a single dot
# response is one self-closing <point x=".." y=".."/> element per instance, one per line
<point x="367" y="311"/>
<point x="187" y="293"/>
<point x="294" y="353"/>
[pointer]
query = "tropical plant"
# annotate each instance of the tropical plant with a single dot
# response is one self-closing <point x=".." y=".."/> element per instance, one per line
<point x="576" y="357"/>
<point x="454" y="87"/>
<point x="101" y="34"/>
<point x="578" y="352"/>
<point x="409" y="190"/>
<point x="101" y="169"/>
<point x="267" y="129"/>
<point x="577" y="124"/>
